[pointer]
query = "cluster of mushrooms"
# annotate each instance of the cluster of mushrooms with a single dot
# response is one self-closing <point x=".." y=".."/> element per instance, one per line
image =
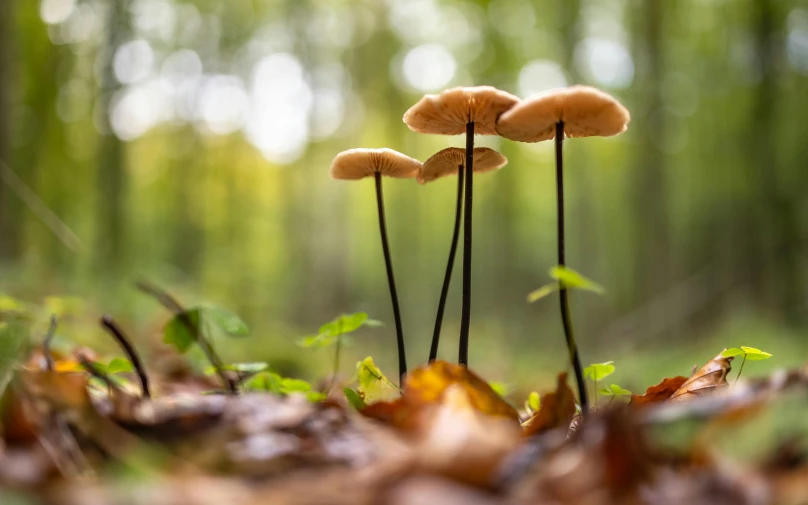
<point x="577" y="111"/>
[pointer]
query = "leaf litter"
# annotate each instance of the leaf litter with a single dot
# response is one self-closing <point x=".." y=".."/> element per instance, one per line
<point x="75" y="431"/>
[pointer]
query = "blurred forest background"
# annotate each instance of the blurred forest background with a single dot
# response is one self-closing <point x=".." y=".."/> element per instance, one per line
<point x="188" y="142"/>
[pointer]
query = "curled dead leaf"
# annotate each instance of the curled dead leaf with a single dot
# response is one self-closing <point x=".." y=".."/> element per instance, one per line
<point x="557" y="410"/>
<point x="659" y="392"/>
<point x="705" y="380"/>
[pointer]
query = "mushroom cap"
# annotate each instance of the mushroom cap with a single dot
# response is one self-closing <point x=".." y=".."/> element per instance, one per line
<point x="355" y="164"/>
<point x="585" y="111"/>
<point x="447" y="162"/>
<point x="448" y="112"/>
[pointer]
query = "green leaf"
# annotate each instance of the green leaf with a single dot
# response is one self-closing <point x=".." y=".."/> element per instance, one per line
<point x="599" y="371"/>
<point x="354" y="399"/>
<point x="119" y="365"/>
<point x="9" y="304"/>
<point x="533" y="402"/>
<point x="177" y="333"/>
<point x="543" y="291"/>
<point x="373" y="323"/>
<point x="753" y="354"/>
<point x="315" y="396"/>
<point x="225" y="320"/>
<point x="731" y="352"/>
<point x="619" y="391"/>
<point x="571" y="279"/>
<point x="321" y="340"/>
<point x="373" y="385"/>
<point x="264" y="381"/>
<point x="294" y="386"/>
<point x="500" y="388"/>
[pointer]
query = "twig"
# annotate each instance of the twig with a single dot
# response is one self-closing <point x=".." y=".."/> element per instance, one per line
<point x="171" y="303"/>
<point x="37" y="207"/>
<point x="95" y="372"/>
<point x="46" y="344"/>
<point x="110" y="325"/>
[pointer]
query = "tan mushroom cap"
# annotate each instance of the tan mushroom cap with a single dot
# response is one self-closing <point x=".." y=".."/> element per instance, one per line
<point x="585" y="111"/>
<point x="355" y="164"/>
<point x="448" y="112"/>
<point x="447" y="162"/>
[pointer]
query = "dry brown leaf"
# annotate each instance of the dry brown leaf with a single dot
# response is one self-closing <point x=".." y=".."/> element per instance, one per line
<point x="659" y="392"/>
<point x="705" y="380"/>
<point x="557" y="410"/>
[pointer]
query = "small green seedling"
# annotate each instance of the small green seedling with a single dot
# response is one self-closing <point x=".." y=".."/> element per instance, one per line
<point x="373" y="386"/>
<point x="614" y="391"/>
<point x="272" y="382"/>
<point x="597" y="372"/>
<point x="211" y="322"/>
<point x="749" y="353"/>
<point x="337" y="332"/>
<point x="568" y="278"/>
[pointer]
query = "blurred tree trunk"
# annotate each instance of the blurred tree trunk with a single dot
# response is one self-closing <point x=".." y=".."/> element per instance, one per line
<point x="769" y="259"/>
<point x="111" y="182"/>
<point x="652" y="245"/>
<point x="9" y="243"/>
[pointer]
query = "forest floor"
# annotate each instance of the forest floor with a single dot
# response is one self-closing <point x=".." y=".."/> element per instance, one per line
<point x="76" y="431"/>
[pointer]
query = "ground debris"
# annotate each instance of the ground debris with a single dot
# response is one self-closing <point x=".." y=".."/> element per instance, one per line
<point x="449" y="438"/>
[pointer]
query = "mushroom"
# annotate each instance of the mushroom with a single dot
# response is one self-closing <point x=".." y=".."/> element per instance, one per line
<point x="577" y="111"/>
<point x="355" y="164"/>
<point x="450" y="161"/>
<point x="452" y="112"/>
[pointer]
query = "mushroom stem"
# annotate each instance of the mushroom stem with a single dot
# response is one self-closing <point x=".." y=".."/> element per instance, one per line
<point x="447" y="278"/>
<point x="563" y="293"/>
<point x="465" y="313"/>
<point x="402" y="359"/>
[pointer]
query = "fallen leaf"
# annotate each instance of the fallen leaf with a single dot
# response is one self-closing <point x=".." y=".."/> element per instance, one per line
<point x="428" y="384"/>
<point x="712" y="375"/>
<point x="659" y="392"/>
<point x="457" y="439"/>
<point x="557" y="410"/>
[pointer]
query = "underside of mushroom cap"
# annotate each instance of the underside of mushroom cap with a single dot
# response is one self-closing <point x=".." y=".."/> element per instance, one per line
<point x="448" y="161"/>
<point x="585" y="111"/>
<point x="448" y="113"/>
<point x="355" y="164"/>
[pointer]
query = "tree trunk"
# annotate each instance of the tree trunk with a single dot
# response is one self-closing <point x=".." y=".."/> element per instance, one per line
<point x="8" y="231"/>
<point x="652" y="247"/>
<point x="111" y="213"/>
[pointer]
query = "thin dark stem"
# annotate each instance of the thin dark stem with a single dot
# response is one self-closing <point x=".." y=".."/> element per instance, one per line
<point x="740" y="370"/>
<point x="46" y="344"/>
<point x="402" y="358"/>
<point x="174" y="306"/>
<point x="447" y="278"/>
<point x="112" y="327"/>
<point x="566" y="318"/>
<point x="465" y="312"/>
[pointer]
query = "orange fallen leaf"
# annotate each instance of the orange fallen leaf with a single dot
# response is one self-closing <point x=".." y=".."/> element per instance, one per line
<point x="428" y="384"/>
<point x="659" y="392"/>
<point x="705" y="380"/>
<point x="557" y="410"/>
<point x="460" y="426"/>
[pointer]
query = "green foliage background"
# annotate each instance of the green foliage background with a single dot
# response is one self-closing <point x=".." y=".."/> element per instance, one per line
<point x="695" y="221"/>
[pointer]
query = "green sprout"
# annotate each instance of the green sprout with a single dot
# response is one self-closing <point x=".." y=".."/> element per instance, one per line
<point x="336" y="333"/>
<point x="749" y="353"/>
<point x="599" y="371"/>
